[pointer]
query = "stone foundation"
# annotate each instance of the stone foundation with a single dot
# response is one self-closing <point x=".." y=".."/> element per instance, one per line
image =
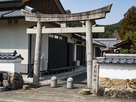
<point x="119" y="83"/>
<point x="117" y="88"/>
<point x="14" y="81"/>
<point x="132" y="83"/>
<point x="121" y="93"/>
<point x="105" y="82"/>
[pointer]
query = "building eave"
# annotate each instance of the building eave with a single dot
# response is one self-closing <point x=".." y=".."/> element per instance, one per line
<point x="60" y="7"/>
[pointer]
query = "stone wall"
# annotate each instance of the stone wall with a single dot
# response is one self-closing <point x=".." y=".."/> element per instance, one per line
<point x="118" y="88"/>
<point x="14" y="81"/>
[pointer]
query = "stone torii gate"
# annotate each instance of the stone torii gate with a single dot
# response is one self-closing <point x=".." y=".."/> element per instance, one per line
<point x="84" y="16"/>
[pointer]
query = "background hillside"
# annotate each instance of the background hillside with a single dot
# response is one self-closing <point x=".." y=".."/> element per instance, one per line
<point x="109" y="30"/>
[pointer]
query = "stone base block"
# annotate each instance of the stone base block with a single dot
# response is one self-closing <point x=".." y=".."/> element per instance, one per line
<point x="105" y="82"/>
<point x="85" y="92"/>
<point x="132" y="83"/>
<point x="100" y="91"/>
<point x="121" y="93"/>
<point x="119" y="83"/>
<point x="25" y="87"/>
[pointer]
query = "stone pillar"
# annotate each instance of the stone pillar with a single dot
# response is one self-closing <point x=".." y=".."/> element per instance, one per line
<point x="37" y="55"/>
<point x="95" y="77"/>
<point x="89" y="52"/>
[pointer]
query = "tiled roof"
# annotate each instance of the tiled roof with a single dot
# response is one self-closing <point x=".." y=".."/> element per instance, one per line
<point x="117" y="59"/>
<point x="9" y="55"/>
<point x="125" y="43"/>
<point x="94" y="41"/>
<point x="8" y="1"/>
<point x="109" y="42"/>
<point x="10" y="13"/>
<point x="15" y="13"/>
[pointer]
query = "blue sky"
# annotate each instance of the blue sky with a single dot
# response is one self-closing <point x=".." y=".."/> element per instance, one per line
<point x="118" y="9"/>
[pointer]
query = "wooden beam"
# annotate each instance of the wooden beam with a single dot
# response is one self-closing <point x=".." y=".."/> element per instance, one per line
<point x="66" y="30"/>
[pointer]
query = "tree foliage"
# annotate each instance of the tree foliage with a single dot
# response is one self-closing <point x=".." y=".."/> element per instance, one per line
<point x="79" y="23"/>
<point x="109" y="30"/>
<point x="129" y="22"/>
<point x="73" y="24"/>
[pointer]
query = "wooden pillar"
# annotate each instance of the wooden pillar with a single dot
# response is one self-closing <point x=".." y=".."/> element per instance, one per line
<point x="89" y="52"/>
<point x="37" y="55"/>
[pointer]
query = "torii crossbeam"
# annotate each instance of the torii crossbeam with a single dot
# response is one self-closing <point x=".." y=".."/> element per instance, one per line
<point x="84" y="16"/>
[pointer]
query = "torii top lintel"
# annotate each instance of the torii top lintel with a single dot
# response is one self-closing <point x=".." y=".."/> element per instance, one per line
<point x="90" y="15"/>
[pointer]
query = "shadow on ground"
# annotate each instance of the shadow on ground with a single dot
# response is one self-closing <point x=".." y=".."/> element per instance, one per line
<point x="79" y="83"/>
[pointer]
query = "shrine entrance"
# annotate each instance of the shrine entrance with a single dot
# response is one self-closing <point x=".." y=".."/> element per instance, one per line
<point x="63" y="18"/>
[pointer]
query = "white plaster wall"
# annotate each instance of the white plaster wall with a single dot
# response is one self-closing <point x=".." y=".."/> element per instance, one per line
<point x="71" y="39"/>
<point x="69" y="36"/>
<point x="14" y="37"/>
<point x="7" y="67"/>
<point x="17" y="67"/>
<point x="119" y="71"/>
<point x="11" y="65"/>
<point x="45" y="43"/>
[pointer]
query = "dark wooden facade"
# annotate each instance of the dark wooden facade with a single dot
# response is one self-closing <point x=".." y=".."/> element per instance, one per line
<point x="44" y="6"/>
<point x="80" y="54"/>
<point x="60" y="54"/>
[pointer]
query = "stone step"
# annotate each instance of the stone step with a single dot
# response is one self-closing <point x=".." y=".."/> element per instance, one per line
<point x="2" y="89"/>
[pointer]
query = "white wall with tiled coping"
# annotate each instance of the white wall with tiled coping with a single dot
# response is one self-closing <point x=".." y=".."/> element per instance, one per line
<point x="118" y="71"/>
<point x="120" y="66"/>
<point x="11" y="66"/>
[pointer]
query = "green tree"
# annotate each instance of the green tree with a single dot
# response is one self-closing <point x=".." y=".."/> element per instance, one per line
<point x="129" y="22"/>
<point x="109" y="30"/>
<point x="68" y="11"/>
<point x="95" y="35"/>
<point x="73" y="24"/>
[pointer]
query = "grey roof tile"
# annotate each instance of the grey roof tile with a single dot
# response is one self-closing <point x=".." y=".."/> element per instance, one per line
<point x="117" y="58"/>
<point x="109" y="42"/>
<point x="15" y="13"/>
<point x="9" y="55"/>
<point x="7" y="1"/>
<point x="94" y="41"/>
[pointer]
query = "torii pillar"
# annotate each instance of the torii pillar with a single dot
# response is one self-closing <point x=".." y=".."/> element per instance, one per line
<point x="89" y="52"/>
<point x="37" y="55"/>
<point x="84" y="16"/>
